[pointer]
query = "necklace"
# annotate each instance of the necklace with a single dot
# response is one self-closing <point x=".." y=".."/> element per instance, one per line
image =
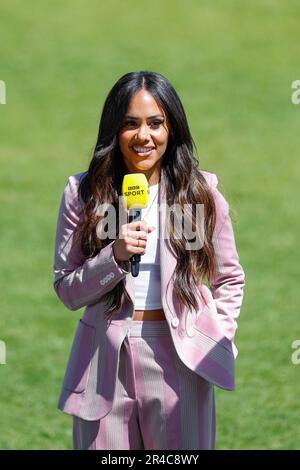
<point x="144" y="215"/>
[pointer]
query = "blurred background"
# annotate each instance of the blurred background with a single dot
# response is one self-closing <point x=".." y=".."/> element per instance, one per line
<point x="232" y="64"/>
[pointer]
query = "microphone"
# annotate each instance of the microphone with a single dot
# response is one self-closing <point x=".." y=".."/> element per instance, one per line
<point x="135" y="196"/>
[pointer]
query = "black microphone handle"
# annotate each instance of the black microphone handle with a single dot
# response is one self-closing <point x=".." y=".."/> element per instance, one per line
<point x="134" y="215"/>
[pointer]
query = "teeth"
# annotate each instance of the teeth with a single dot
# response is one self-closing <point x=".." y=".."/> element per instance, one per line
<point x="142" y="149"/>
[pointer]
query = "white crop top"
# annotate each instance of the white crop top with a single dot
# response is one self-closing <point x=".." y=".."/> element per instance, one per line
<point x="147" y="283"/>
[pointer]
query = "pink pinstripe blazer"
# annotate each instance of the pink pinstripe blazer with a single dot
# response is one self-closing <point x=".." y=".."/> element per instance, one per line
<point x="203" y="339"/>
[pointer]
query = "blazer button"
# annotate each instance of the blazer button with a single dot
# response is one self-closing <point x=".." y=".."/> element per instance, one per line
<point x="175" y="322"/>
<point x="190" y="332"/>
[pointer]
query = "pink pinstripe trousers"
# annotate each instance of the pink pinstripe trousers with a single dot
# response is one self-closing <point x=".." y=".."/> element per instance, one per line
<point x="159" y="403"/>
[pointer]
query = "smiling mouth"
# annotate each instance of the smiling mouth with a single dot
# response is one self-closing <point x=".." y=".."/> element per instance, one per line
<point x="142" y="150"/>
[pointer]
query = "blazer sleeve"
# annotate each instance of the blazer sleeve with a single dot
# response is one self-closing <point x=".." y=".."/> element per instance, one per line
<point x="79" y="281"/>
<point x="228" y="283"/>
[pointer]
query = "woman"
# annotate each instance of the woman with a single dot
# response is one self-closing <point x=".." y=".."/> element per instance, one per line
<point x="148" y="350"/>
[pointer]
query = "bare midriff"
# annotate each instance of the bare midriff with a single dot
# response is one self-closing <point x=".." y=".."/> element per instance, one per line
<point x="149" y="315"/>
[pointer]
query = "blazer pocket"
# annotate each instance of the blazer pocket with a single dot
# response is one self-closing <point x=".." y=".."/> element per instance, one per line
<point x="79" y="362"/>
<point x="208" y="324"/>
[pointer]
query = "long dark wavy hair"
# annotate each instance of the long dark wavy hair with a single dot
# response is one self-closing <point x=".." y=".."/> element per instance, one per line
<point x="102" y="184"/>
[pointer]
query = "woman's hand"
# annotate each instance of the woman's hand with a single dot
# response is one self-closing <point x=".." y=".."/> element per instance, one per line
<point x="132" y="240"/>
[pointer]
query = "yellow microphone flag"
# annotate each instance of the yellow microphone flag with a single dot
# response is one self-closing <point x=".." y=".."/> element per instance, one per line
<point x="135" y="191"/>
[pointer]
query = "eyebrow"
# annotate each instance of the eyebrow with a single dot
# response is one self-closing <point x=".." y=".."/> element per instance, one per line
<point x="149" y="117"/>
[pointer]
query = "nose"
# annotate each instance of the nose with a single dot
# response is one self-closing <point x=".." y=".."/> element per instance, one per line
<point x="142" y="133"/>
